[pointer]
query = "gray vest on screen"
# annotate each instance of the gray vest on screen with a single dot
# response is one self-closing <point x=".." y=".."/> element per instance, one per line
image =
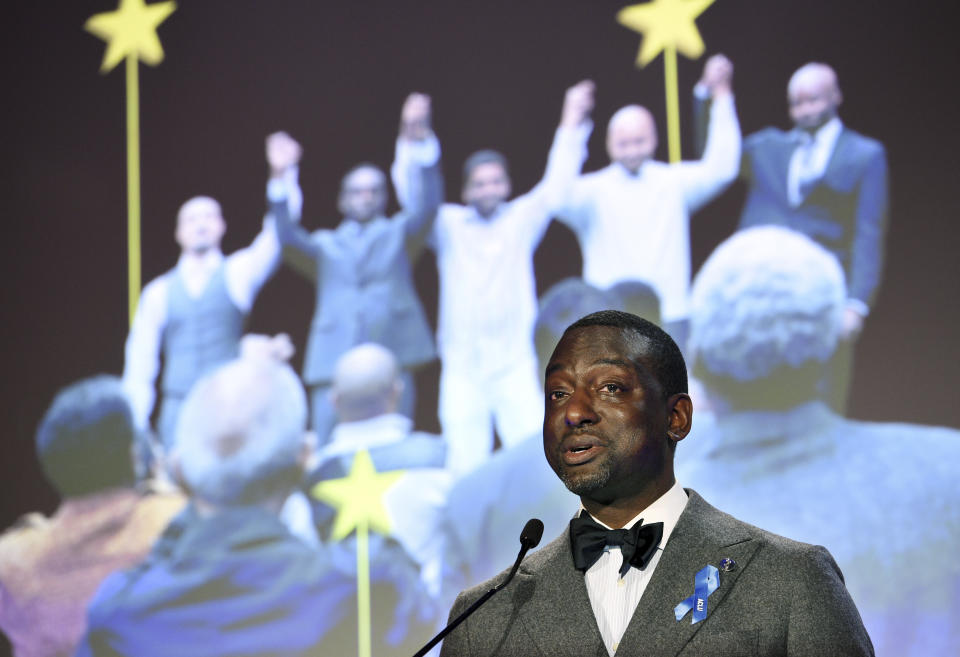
<point x="201" y="333"/>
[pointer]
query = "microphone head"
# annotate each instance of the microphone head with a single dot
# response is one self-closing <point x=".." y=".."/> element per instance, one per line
<point x="531" y="534"/>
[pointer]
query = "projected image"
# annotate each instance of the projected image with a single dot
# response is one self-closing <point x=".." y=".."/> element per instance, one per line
<point x="328" y="257"/>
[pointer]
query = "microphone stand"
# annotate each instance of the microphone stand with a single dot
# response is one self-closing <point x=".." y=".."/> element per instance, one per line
<point x="532" y="532"/>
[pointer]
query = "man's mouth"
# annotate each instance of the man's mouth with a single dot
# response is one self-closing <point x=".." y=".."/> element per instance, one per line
<point x="581" y="449"/>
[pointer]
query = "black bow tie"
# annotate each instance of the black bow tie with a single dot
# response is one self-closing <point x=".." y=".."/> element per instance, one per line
<point x="589" y="539"/>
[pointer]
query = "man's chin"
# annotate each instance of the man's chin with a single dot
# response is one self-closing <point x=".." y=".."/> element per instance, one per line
<point x="584" y="483"/>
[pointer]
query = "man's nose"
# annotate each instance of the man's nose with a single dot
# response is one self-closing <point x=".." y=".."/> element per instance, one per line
<point x="579" y="410"/>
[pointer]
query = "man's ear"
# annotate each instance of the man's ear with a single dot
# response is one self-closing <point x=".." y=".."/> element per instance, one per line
<point x="680" y="409"/>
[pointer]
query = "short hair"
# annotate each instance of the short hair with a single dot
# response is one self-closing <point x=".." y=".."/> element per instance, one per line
<point x="767" y="301"/>
<point x="364" y="380"/>
<point x="359" y="167"/>
<point x="666" y="361"/>
<point x="240" y="435"/>
<point x="190" y="202"/>
<point x="486" y="156"/>
<point x="85" y="439"/>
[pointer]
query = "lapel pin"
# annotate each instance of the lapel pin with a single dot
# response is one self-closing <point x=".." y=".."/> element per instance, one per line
<point x="727" y="565"/>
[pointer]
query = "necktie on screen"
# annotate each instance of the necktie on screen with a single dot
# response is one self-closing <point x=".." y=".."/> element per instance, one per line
<point x="589" y="539"/>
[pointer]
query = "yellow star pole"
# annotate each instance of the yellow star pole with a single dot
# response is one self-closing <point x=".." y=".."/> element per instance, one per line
<point x="358" y="498"/>
<point x="131" y="35"/>
<point x="667" y="26"/>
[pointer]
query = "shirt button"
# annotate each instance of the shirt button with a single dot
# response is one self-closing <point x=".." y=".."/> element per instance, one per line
<point x="615" y="646"/>
<point x="620" y="583"/>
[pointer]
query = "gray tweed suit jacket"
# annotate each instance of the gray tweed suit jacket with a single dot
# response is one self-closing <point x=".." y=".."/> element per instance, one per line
<point x="782" y="598"/>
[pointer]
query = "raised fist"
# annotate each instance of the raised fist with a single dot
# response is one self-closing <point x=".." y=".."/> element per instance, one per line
<point x="283" y="152"/>
<point x="718" y="75"/>
<point x="415" y="117"/>
<point x="577" y="103"/>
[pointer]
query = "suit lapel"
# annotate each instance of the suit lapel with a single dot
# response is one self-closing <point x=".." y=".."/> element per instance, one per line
<point x="839" y="157"/>
<point x="702" y="536"/>
<point x="560" y="613"/>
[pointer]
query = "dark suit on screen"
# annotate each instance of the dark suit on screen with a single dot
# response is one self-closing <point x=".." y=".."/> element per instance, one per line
<point x="364" y="285"/>
<point x="845" y="211"/>
<point x="783" y="598"/>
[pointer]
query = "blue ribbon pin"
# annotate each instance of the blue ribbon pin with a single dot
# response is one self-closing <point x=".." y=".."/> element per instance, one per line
<point x="705" y="583"/>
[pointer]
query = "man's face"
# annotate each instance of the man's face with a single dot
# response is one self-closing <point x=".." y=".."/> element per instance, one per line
<point x="606" y="420"/>
<point x="363" y="195"/>
<point x="632" y="139"/>
<point x="200" y="225"/>
<point x="487" y="187"/>
<point x="813" y="98"/>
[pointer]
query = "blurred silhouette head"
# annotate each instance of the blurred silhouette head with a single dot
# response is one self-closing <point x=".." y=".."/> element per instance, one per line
<point x="366" y="383"/>
<point x="631" y="137"/>
<point x="560" y="306"/>
<point x="363" y="193"/>
<point x="638" y="298"/>
<point x="241" y="439"/>
<point x="85" y="440"/>
<point x="766" y="311"/>
<point x="813" y="96"/>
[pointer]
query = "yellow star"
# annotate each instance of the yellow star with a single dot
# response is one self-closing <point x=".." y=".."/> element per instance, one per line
<point x="130" y="30"/>
<point x="665" y="24"/>
<point x="358" y="497"/>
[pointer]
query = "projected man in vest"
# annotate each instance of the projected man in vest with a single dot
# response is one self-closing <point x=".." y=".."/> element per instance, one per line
<point x="192" y="316"/>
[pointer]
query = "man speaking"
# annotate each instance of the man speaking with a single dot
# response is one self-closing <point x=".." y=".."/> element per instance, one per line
<point x="648" y="567"/>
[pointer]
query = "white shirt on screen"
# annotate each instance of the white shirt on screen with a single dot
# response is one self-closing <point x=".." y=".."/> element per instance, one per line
<point x="637" y="227"/>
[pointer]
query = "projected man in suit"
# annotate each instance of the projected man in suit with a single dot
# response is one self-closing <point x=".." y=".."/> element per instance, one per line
<point x="689" y="579"/>
<point x="828" y="182"/>
<point x="362" y="269"/>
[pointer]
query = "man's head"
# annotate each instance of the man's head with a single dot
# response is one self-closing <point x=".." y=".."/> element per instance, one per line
<point x="766" y="312"/>
<point x="616" y="405"/>
<point x="85" y="440"/>
<point x="366" y="383"/>
<point x="241" y="439"/>
<point x="486" y="181"/>
<point x="363" y="193"/>
<point x="200" y="225"/>
<point x="813" y="96"/>
<point x="631" y="137"/>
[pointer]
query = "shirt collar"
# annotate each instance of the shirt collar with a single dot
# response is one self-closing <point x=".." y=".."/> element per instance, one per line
<point x="351" y="437"/>
<point x="209" y="261"/>
<point x="824" y="135"/>
<point x="625" y="174"/>
<point x="666" y="509"/>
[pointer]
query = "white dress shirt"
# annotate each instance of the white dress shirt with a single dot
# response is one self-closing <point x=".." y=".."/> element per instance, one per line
<point x="615" y="599"/>
<point x="245" y="272"/>
<point x="488" y="293"/>
<point x="636" y="227"/>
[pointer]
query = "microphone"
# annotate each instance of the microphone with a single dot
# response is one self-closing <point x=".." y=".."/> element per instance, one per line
<point x="529" y="539"/>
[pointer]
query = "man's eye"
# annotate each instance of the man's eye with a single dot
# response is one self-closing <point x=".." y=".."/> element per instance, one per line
<point x="611" y="387"/>
<point x="556" y="394"/>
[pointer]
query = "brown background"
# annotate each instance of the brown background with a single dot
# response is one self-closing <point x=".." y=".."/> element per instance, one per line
<point x="335" y="76"/>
